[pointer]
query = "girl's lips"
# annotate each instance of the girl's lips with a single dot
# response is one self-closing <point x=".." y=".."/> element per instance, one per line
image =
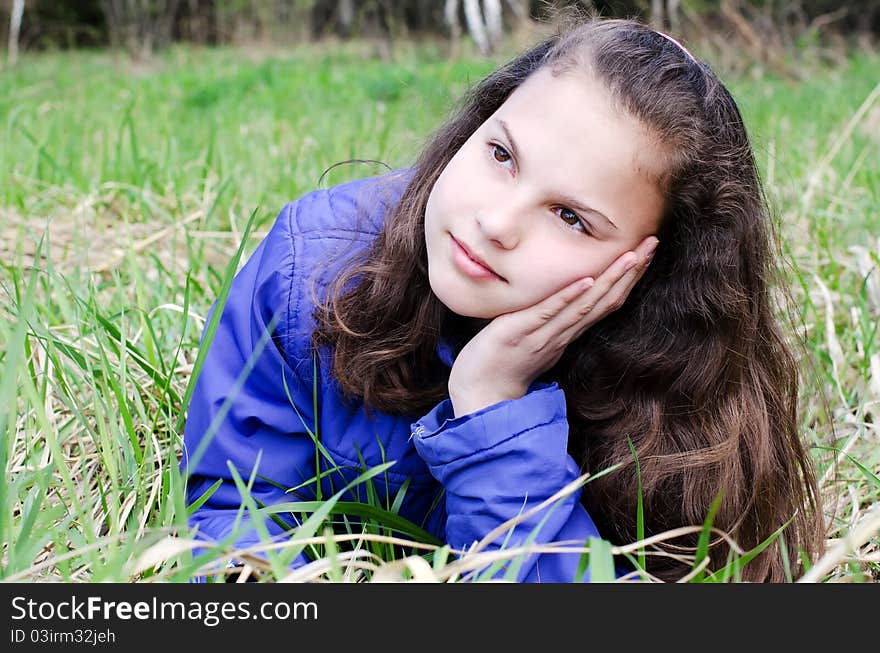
<point x="468" y="265"/>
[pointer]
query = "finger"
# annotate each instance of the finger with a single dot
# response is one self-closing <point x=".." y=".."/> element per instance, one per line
<point x="620" y="290"/>
<point x="627" y="270"/>
<point x="580" y="311"/>
<point x="546" y="310"/>
<point x="609" y="292"/>
<point x="646" y="253"/>
<point x="624" y="265"/>
<point x="574" y="303"/>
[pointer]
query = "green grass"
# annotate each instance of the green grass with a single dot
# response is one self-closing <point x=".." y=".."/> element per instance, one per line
<point x="126" y="191"/>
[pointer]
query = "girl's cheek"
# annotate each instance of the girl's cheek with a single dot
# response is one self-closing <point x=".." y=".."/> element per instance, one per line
<point x="604" y="257"/>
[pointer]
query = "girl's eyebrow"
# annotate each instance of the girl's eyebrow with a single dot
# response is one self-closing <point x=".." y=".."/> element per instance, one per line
<point x="575" y="204"/>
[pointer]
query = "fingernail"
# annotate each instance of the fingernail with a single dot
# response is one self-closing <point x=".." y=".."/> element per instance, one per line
<point x="630" y="263"/>
<point x="587" y="283"/>
<point x="651" y="249"/>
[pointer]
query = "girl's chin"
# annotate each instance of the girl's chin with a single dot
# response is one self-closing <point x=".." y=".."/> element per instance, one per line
<point x="468" y="310"/>
<point x="472" y="314"/>
<point x="469" y="307"/>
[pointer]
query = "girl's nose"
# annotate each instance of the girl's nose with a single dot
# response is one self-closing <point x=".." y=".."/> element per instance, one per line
<point x="501" y="225"/>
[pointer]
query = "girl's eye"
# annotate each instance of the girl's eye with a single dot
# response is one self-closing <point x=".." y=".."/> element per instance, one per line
<point x="500" y="154"/>
<point x="573" y="220"/>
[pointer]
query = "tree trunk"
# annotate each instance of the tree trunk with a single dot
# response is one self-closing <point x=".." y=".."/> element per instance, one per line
<point x="672" y="16"/>
<point x="346" y="17"/>
<point x="476" y="27"/>
<point x="450" y="17"/>
<point x="657" y="14"/>
<point x="520" y="9"/>
<point x="385" y="25"/>
<point x="492" y="10"/>
<point x="15" y="29"/>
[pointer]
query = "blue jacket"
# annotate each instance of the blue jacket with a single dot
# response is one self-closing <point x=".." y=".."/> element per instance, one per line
<point x="467" y="474"/>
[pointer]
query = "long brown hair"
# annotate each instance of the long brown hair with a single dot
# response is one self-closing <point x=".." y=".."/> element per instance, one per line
<point x="693" y="369"/>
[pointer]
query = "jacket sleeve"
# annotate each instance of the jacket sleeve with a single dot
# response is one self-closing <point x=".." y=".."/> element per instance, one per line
<point x="240" y="413"/>
<point x="501" y="461"/>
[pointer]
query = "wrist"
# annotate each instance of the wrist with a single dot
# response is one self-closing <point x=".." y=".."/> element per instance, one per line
<point x="471" y="400"/>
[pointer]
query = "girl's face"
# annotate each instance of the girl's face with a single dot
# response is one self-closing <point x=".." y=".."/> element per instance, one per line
<point x="553" y="187"/>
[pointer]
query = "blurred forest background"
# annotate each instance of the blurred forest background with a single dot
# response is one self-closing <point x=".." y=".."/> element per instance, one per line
<point x="766" y="29"/>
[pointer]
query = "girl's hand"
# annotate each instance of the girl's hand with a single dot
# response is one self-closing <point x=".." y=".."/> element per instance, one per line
<point x="507" y="355"/>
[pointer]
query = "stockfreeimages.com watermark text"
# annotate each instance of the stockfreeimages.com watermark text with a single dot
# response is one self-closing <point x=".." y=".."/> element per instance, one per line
<point x="208" y="613"/>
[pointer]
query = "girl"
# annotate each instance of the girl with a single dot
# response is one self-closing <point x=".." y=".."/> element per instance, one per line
<point x="578" y="263"/>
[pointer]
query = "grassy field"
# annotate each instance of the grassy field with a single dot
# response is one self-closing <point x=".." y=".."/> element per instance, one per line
<point x="124" y="193"/>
